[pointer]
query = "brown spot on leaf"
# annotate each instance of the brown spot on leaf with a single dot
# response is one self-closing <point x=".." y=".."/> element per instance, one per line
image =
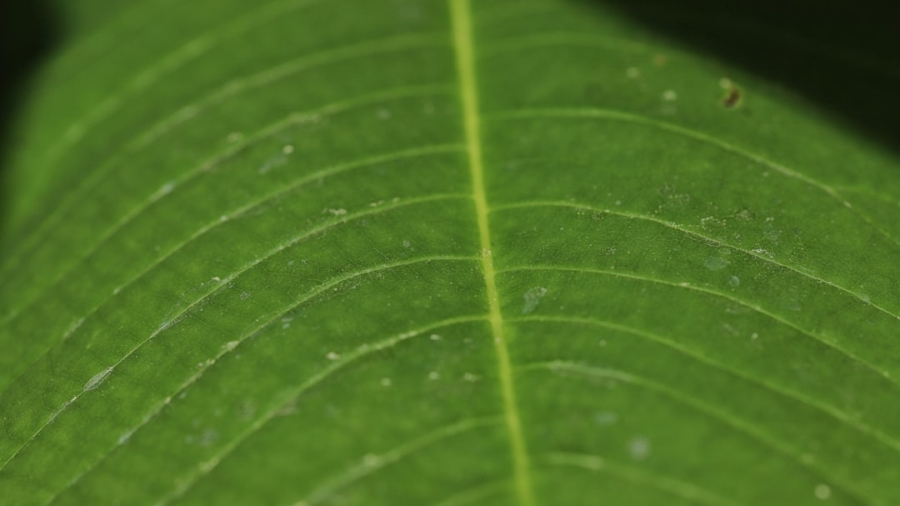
<point x="732" y="98"/>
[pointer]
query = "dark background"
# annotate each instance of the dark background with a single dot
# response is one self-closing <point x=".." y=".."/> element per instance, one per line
<point x="843" y="55"/>
<point x="29" y="30"/>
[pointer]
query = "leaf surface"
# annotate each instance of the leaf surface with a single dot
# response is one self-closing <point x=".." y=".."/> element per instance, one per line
<point x="441" y="253"/>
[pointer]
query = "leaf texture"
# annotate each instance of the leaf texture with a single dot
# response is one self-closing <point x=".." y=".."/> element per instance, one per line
<point x="459" y="252"/>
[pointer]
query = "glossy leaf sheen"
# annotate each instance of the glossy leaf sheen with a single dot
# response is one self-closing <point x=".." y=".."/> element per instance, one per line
<point x="457" y="252"/>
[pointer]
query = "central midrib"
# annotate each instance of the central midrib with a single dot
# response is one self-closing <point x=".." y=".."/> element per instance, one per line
<point x="462" y="42"/>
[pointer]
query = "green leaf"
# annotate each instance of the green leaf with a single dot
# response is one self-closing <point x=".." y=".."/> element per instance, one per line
<point x="463" y="252"/>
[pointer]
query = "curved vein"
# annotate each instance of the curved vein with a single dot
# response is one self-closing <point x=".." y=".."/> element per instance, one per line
<point x="250" y="206"/>
<point x="868" y="193"/>
<point x="269" y="131"/>
<point x="87" y="48"/>
<point x="872" y="367"/>
<point x="701" y="137"/>
<point x="261" y="79"/>
<point x="835" y="413"/>
<point x="370" y="464"/>
<point x="521" y="8"/>
<point x="544" y="39"/>
<point x="705" y="408"/>
<point x="707" y="239"/>
<point x="192" y="110"/>
<point x="223" y="284"/>
<point x="361" y="351"/>
<point x="678" y="488"/>
<point x="172" y="61"/>
<point x="470" y="495"/>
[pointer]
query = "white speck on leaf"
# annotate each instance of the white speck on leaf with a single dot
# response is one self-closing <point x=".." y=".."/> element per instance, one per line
<point x="669" y="96"/>
<point x="715" y="263"/>
<point x="533" y="298"/>
<point x="371" y="460"/>
<point x="435" y="337"/>
<point x="247" y="409"/>
<point x="165" y="189"/>
<point x="72" y="328"/>
<point x="97" y="379"/>
<point x="209" y="465"/>
<point x="433" y="375"/>
<point x="639" y="448"/>
<point x="125" y="437"/>
<point x="822" y="491"/>
<point x="633" y="72"/>
<point x="386" y="382"/>
<point x="307" y="118"/>
<point x="734" y="281"/>
<point x="605" y="418"/>
<point x="208" y="437"/>
<point x="710" y="221"/>
<point x="287" y="149"/>
<point x="273" y="162"/>
<point x="332" y="356"/>
<point x="336" y="212"/>
<point x="59" y="410"/>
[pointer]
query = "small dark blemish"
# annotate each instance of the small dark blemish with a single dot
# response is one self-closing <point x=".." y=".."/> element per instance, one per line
<point x="733" y="98"/>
